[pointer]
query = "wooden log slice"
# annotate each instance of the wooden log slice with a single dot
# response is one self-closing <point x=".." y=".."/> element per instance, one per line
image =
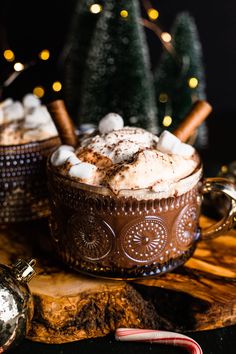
<point x="69" y="306"/>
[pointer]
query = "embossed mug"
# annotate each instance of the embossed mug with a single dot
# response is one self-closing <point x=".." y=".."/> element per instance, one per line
<point x="23" y="186"/>
<point x="128" y="236"/>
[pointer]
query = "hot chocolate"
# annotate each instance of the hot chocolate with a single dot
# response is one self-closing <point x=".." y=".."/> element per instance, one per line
<point x="27" y="136"/>
<point x="125" y="203"/>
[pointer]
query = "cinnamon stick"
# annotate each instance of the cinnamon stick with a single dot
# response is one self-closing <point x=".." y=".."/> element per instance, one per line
<point x="200" y="111"/>
<point x="63" y="122"/>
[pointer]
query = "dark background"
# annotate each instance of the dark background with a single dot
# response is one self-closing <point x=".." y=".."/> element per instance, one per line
<point x="27" y="27"/>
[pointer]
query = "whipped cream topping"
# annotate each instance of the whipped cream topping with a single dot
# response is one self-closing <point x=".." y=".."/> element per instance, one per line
<point x="120" y="145"/>
<point x="129" y="160"/>
<point x="24" y="122"/>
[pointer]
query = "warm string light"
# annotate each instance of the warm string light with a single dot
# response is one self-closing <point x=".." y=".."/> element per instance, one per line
<point x="166" y="44"/>
<point x="39" y="91"/>
<point x="95" y="8"/>
<point x="224" y="169"/>
<point x="9" y="55"/>
<point x="18" y="67"/>
<point x="193" y="82"/>
<point x="166" y="37"/>
<point x="57" y="86"/>
<point x="167" y="121"/>
<point x="153" y="14"/>
<point x="44" y="54"/>
<point x="124" y="13"/>
<point x="163" y="97"/>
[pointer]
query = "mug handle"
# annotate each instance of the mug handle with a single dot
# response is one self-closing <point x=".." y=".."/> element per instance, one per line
<point x="228" y="188"/>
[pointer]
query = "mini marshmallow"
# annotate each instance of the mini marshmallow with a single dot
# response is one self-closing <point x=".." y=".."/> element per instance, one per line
<point x="185" y="150"/>
<point x="6" y="102"/>
<point x="73" y="160"/>
<point x="168" y="143"/>
<point x="49" y="129"/>
<point x="38" y="116"/>
<point x="66" y="147"/>
<point x="13" y="111"/>
<point x="30" y="101"/>
<point x="83" y="170"/>
<point x="112" y="121"/>
<point x="60" y="156"/>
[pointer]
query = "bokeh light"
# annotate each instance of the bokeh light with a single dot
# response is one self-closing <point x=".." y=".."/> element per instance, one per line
<point x="153" y="14"/>
<point x="9" y="55"/>
<point x="18" y="66"/>
<point x="39" y="91"/>
<point x="163" y="97"/>
<point x="167" y="120"/>
<point x="57" y="86"/>
<point x="193" y="82"/>
<point x="95" y="8"/>
<point x="44" y="54"/>
<point x="124" y="13"/>
<point x="166" y="37"/>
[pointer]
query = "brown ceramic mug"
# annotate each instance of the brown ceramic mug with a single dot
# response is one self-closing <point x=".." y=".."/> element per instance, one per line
<point x="125" y="236"/>
<point x="23" y="186"/>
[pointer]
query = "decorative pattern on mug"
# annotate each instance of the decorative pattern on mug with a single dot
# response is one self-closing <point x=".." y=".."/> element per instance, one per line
<point x="186" y="225"/>
<point x="144" y="239"/>
<point x="93" y="237"/>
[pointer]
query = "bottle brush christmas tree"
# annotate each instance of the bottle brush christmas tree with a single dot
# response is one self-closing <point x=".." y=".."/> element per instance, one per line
<point x="179" y="77"/>
<point x="117" y="76"/>
<point x="76" y="50"/>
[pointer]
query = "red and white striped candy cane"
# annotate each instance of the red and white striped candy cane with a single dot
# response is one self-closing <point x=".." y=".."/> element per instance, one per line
<point x="155" y="336"/>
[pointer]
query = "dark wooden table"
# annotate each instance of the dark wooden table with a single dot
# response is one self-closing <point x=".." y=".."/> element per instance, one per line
<point x="219" y="341"/>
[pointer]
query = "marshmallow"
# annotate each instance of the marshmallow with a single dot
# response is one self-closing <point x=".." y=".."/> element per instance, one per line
<point x="60" y="156"/>
<point x="38" y="116"/>
<point x="66" y="147"/>
<point x="112" y="121"/>
<point x="49" y="129"/>
<point x="185" y="150"/>
<point x="168" y="143"/>
<point x="83" y="170"/>
<point x="6" y="103"/>
<point x="13" y="111"/>
<point x="73" y="160"/>
<point x="30" y="101"/>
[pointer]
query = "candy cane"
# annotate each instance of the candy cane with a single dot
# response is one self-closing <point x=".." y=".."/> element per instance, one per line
<point x="155" y="336"/>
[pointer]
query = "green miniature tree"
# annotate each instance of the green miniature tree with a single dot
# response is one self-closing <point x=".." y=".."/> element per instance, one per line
<point x="117" y="76"/>
<point x="76" y="50"/>
<point x="179" y="78"/>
